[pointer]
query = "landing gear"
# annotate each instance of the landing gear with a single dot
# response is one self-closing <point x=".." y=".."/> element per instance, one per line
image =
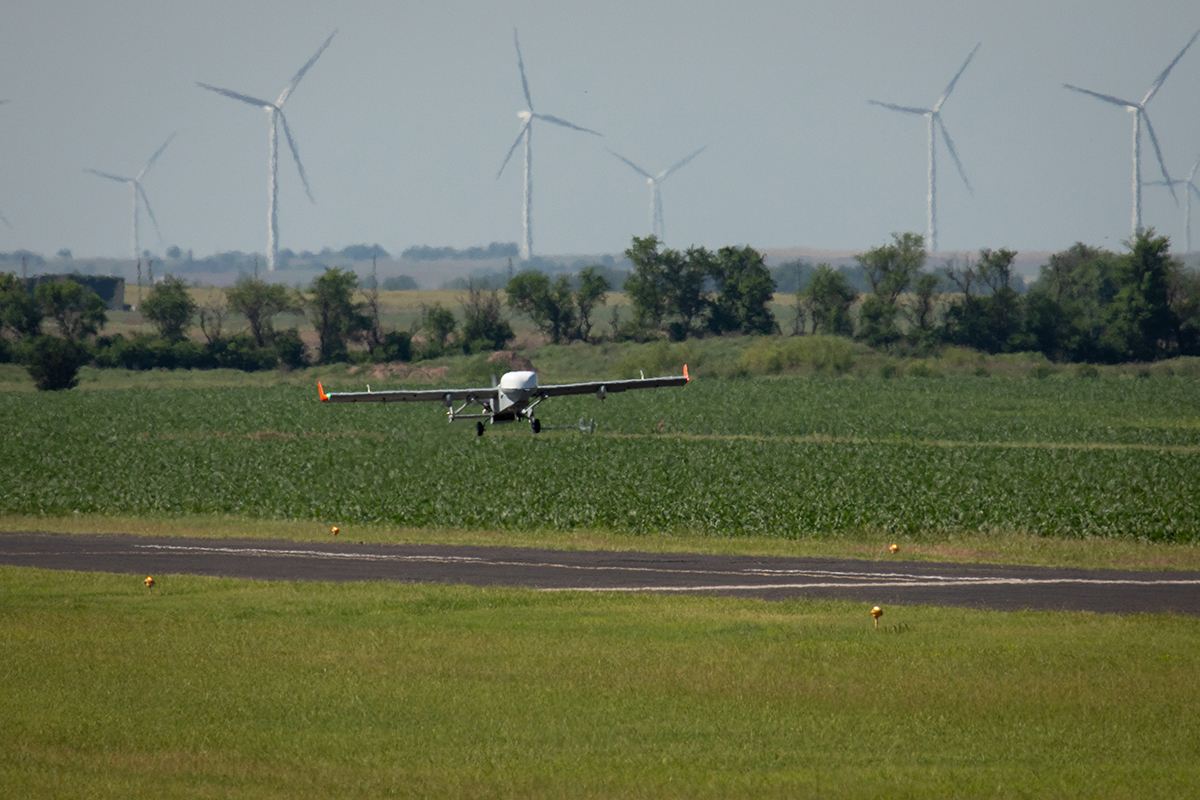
<point x="537" y="426"/>
<point x="479" y="429"/>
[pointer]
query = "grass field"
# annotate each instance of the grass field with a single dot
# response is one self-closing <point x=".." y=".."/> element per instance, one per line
<point x="217" y="687"/>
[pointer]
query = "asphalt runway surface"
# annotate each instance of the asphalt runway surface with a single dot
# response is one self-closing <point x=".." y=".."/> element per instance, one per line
<point x="892" y="582"/>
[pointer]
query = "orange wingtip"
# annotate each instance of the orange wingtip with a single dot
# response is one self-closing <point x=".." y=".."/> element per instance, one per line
<point x="685" y="375"/>
<point x="321" y="393"/>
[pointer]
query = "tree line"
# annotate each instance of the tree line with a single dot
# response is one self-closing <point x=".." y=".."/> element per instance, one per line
<point x="1088" y="305"/>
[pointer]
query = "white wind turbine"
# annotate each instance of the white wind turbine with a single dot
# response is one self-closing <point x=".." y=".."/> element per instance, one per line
<point x="656" y="214"/>
<point x="2" y="218"/>
<point x="137" y="192"/>
<point x="934" y="116"/>
<point x="1138" y="110"/>
<point x="527" y="117"/>
<point x="1189" y="188"/>
<point x="275" y="111"/>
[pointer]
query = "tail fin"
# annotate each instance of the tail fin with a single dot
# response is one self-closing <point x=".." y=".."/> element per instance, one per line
<point x="685" y="375"/>
<point x="325" y="398"/>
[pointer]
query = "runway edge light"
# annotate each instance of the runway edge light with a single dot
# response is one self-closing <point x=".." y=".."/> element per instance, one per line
<point x="876" y="612"/>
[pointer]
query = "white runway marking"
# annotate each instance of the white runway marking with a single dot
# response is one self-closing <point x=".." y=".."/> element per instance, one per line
<point x="833" y="579"/>
<point x="903" y="584"/>
<point x="263" y="551"/>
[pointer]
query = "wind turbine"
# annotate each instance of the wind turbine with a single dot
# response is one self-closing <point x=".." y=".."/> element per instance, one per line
<point x="656" y="215"/>
<point x="1189" y="189"/>
<point x="136" y="192"/>
<point x="2" y="217"/>
<point x="934" y="115"/>
<point x="527" y="117"/>
<point x="275" y="112"/>
<point x="1138" y="109"/>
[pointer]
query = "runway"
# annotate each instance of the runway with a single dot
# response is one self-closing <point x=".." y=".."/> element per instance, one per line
<point x="892" y="582"/>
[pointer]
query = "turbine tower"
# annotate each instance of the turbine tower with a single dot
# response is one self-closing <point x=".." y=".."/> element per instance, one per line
<point x="1138" y="110"/>
<point x="275" y="112"/>
<point x="934" y="116"/>
<point x="1189" y="188"/>
<point x="2" y="217"/>
<point x="656" y="215"/>
<point x="527" y="117"/>
<point x="137" y="192"/>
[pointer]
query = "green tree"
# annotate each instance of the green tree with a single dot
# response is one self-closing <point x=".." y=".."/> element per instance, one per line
<point x="890" y="269"/>
<point x="78" y="311"/>
<point x="484" y="327"/>
<point x="827" y="299"/>
<point x="170" y="307"/>
<point x="20" y="312"/>
<point x="994" y="322"/>
<point x="1139" y="323"/>
<point x="593" y="291"/>
<point x="439" y="325"/>
<point x="336" y="316"/>
<point x="53" y="362"/>
<point x="1063" y="309"/>
<point x="744" y="290"/>
<point x="549" y="304"/>
<point x="646" y="287"/>
<point x="260" y="302"/>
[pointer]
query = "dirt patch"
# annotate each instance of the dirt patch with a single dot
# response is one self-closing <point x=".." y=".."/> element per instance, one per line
<point x="401" y="370"/>
<point x="513" y="361"/>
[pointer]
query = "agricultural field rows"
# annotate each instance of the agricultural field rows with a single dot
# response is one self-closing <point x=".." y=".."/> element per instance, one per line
<point x="778" y="457"/>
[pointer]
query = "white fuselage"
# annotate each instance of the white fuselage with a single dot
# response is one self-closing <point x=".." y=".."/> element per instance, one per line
<point x="515" y="391"/>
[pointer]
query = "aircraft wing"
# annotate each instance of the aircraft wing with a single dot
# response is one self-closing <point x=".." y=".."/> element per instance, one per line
<point x="407" y="396"/>
<point x="607" y="387"/>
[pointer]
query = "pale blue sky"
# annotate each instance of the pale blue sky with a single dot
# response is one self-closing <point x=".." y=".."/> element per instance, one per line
<point x="404" y="121"/>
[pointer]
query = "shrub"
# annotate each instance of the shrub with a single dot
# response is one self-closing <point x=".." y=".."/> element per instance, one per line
<point x="291" y="349"/>
<point x="773" y="355"/>
<point x="52" y="362"/>
<point x="240" y="352"/>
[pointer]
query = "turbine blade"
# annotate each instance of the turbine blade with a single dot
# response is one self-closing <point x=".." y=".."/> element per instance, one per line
<point x="1108" y="98"/>
<point x="1158" y="152"/>
<point x="2" y="217"/>
<point x="954" y="153"/>
<point x="632" y="165"/>
<point x="245" y="98"/>
<point x="566" y="124"/>
<point x="906" y="109"/>
<point x="154" y="158"/>
<point x="296" y="155"/>
<point x="957" y="75"/>
<point x="1192" y="186"/>
<point x="663" y="175"/>
<point x="287" y="92"/>
<point x="1159" y="81"/>
<point x="110" y="177"/>
<point x="513" y="149"/>
<point x="521" y="66"/>
<point x="146" y="201"/>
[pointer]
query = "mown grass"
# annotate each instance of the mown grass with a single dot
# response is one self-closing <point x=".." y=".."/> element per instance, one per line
<point x="216" y="687"/>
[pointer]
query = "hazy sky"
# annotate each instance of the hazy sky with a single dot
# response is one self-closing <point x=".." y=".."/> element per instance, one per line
<point x="405" y="119"/>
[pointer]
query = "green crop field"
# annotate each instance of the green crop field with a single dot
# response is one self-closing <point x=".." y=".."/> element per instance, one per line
<point x="785" y="457"/>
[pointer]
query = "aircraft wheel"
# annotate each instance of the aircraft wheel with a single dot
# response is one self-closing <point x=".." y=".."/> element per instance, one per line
<point x="479" y="429"/>
<point x="537" y="426"/>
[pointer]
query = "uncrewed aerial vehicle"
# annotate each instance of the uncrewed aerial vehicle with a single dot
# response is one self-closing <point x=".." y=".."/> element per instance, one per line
<point x="514" y="398"/>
